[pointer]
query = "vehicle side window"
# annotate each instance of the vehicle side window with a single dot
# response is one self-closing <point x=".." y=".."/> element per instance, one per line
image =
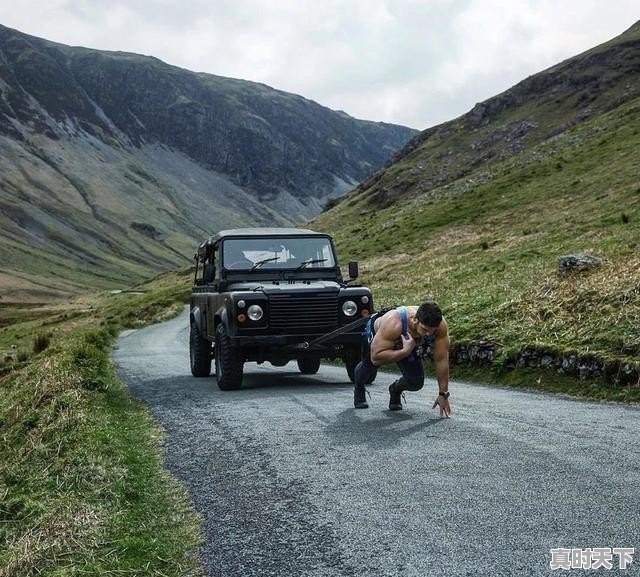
<point x="209" y="268"/>
<point x="199" y="271"/>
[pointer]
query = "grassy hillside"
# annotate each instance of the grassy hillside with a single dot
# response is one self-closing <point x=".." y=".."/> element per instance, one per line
<point x="82" y="489"/>
<point x="534" y="111"/>
<point x="486" y="245"/>
<point x="83" y="215"/>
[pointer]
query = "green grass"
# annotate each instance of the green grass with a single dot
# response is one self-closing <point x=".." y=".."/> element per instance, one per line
<point x="159" y="298"/>
<point x="82" y="489"/>
<point x="548" y="381"/>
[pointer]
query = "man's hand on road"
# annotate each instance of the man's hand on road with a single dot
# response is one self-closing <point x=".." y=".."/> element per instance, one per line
<point x="445" y="409"/>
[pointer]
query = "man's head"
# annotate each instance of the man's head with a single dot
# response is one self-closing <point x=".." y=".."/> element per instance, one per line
<point x="429" y="317"/>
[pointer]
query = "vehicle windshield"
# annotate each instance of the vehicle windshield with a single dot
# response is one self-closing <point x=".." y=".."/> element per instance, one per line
<point x="258" y="253"/>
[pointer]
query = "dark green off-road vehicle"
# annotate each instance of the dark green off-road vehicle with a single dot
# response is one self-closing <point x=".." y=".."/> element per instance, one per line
<point x="273" y="294"/>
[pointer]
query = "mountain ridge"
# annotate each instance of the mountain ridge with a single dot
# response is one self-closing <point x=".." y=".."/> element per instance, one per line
<point x="124" y="111"/>
<point x="478" y="137"/>
<point x="99" y="148"/>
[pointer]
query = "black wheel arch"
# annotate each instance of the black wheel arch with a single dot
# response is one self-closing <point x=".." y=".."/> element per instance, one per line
<point x="197" y="319"/>
<point x="221" y="316"/>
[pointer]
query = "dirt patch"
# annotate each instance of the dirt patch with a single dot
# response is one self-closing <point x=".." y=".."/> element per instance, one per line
<point x="455" y="236"/>
<point x="377" y="263"/>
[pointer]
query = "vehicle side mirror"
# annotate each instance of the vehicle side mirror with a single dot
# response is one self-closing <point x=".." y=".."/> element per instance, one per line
<point x="353" y="269"/>
<point x="209" y="272"/>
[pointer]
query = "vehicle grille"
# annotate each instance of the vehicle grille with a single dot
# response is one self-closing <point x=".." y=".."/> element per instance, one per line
<point x="298" y="314"/>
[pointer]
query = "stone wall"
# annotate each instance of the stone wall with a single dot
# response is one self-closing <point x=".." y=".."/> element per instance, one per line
<point x="614" y="372"/>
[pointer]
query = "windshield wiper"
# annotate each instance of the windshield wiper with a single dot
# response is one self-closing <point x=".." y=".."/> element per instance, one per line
<point x="264" y="261"/>
<point x="311" y="261"/>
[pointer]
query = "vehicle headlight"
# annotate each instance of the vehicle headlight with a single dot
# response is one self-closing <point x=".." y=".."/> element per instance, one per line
<point x="349" y="308"/>
<point x="255" y="312"/>
<point x="365" y="300"/>
<point x="241" y="304"/>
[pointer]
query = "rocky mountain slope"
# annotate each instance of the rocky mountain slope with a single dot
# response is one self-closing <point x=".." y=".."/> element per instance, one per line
<point x="537" y="109"/>
<point x="113" y="165"/>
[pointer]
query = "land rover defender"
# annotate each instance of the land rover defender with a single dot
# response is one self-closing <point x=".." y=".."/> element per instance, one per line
<point x="273" y="294"/>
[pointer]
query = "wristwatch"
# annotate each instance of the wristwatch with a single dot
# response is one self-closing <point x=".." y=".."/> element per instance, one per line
<point x="444" y="394"/>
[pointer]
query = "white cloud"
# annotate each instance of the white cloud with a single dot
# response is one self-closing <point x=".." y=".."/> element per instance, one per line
<point x="414" y="62"/>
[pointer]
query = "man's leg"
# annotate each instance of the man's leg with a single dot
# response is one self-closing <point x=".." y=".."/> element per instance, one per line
<point x="412" y="379"/>
<point x="365" y="373"/>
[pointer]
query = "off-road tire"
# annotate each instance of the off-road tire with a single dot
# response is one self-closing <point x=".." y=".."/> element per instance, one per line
<point x="309" y="366"/>
<point x="229" y="363"/>
<point x="199" y="353"/>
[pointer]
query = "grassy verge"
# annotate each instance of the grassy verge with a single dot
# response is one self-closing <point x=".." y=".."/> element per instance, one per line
<point x="82" y="489"/>
<point x="547" y="381"/>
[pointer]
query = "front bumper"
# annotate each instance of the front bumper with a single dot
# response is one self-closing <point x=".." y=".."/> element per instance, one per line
<point x="295" y="342"/>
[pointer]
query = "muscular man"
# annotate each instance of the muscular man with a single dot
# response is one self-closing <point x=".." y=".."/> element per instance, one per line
<point x="392" y="338"/>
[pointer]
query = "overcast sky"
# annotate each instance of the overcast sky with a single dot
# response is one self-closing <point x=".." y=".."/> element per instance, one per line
<point x="412" y="62"/>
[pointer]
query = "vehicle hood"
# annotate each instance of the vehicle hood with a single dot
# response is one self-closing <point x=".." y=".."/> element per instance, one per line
<point x="286" y="287"/>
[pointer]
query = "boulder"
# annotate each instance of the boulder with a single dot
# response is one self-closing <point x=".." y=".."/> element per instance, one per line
<point x="577" y="262"/>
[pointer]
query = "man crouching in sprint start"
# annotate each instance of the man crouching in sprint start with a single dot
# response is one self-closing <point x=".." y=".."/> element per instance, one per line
<point x="392" y="338"/>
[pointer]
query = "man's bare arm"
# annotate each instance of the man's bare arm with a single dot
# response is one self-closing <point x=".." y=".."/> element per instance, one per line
<point x="383" y="349"/>
<point x="441" y="356"/>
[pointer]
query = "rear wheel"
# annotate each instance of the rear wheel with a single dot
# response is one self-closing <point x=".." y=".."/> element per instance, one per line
<point x="199" y="353"/>
<point x="309" y="366"/>
<point x="229" y="363"/>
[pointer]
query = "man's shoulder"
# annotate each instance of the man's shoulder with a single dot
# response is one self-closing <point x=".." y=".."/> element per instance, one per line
<point x="390" y="322"/>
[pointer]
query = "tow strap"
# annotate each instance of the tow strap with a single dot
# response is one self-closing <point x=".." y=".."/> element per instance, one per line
<point x="354" y="325"/>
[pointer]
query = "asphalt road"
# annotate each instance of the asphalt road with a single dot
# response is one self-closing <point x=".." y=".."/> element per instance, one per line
<point x="291" y="480"/>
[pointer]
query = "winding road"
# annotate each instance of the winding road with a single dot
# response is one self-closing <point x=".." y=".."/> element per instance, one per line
<point x="291" y="481"/>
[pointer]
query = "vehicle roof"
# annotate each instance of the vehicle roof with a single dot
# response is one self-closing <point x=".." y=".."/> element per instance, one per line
<point x="262" y="232"/>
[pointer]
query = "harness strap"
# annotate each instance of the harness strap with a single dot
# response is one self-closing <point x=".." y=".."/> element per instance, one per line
<point x="368" y="329"/>
<point x="404" y="318"/>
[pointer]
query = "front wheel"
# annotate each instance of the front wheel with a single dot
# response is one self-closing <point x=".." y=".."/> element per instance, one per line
<point x="229" y="363"/>
<point x="309" y="366"/>
<point x="199" y="353"/>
